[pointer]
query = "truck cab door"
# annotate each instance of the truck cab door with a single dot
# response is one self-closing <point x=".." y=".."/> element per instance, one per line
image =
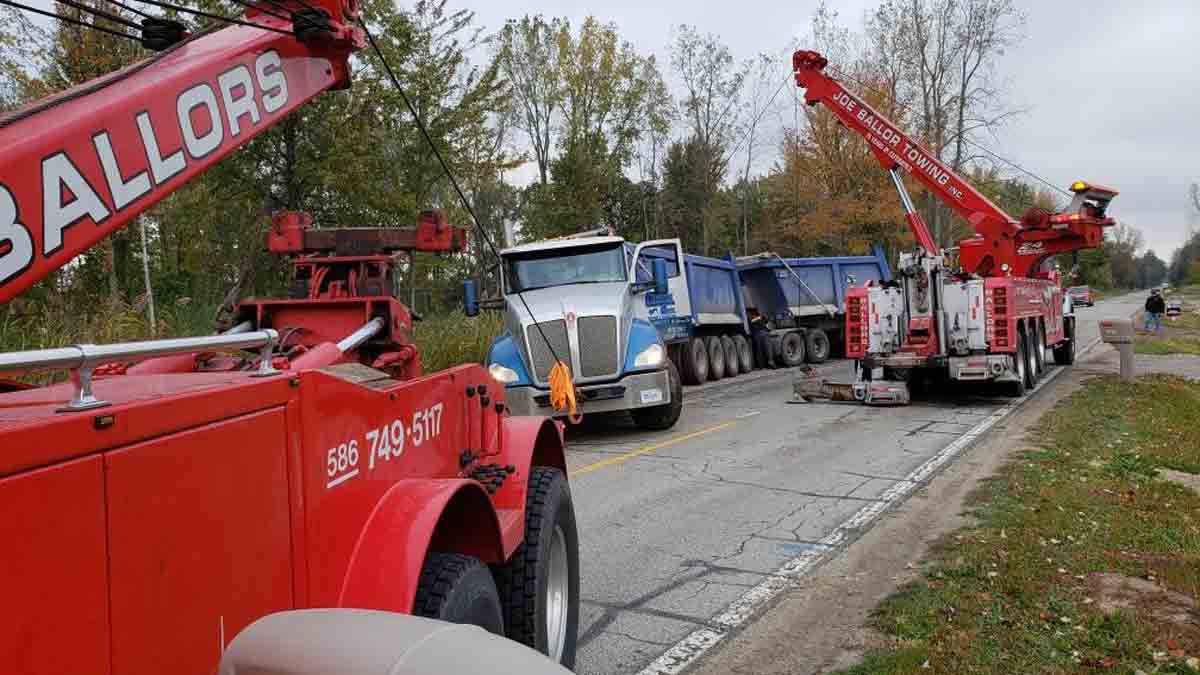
<point x="670" y="313"/>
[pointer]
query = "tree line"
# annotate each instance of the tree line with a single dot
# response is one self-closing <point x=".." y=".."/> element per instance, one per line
<point x="699" y="144"/>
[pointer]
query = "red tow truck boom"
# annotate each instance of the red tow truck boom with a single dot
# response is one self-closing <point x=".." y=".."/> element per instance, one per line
<point x="994" y="315"/>
<point x="175" y="491"/>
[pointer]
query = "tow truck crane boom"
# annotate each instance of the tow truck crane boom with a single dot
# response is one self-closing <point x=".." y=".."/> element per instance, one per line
<point x="1001" y="240"/>
<point x="121" y="143"/>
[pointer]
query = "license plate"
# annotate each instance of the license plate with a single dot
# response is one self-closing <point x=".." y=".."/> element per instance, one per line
<point x="652" y="396"/>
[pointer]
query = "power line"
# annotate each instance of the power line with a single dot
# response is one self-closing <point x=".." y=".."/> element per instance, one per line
<point x="216" y="17"/>
<point x="67" y="19"/>
<point x="462" y="197"/>
<point x="842" y="74"/>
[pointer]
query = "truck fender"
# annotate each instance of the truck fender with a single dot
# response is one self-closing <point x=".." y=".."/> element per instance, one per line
<point x="533" y="441"/>
<point x="412" y="518"/>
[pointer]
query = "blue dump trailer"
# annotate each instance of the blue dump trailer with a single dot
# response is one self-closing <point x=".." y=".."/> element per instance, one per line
<point x="723" y="317"/>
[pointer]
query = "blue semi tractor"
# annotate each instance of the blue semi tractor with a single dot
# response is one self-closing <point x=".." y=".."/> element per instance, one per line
<point x="635" y="321"/>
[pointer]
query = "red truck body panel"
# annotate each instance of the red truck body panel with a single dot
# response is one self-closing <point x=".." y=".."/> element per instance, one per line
<point x="151" y="531"/>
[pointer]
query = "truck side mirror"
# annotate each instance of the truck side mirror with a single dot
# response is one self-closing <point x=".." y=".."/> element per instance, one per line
<point x="658" y="268"/>
<point x="470" y="298"/>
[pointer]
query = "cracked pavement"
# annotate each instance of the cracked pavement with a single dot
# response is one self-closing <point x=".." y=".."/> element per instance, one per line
<point x="670" y="537"/>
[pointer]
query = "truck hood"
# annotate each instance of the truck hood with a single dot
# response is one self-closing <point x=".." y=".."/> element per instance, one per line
<point x="548" y="304"/>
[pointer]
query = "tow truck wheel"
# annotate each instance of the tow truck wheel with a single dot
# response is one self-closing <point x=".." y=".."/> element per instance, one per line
<point x="732" y="366"/>
<point x="791" y="350"/>
<point x="716" y="357"/>
<point x="459" y="589"/>
<point x="1031" y="370"/>
<point x="539" y="585"/>
<point x="1017" y="389"/>
<point x="695" y="362"/>
<point x="664" y="416"/>
<point x="816" y="344"/>
<point x="744" y="352"/>
<point x="1039" y="348"/>
<point x="1064" y="352"/>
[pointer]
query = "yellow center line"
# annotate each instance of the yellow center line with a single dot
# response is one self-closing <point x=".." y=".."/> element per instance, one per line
<point x="648" y="449"/>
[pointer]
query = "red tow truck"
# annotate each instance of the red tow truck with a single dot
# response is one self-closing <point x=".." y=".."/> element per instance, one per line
<point x="988" y="310"/>
<point x="174" y="491"/>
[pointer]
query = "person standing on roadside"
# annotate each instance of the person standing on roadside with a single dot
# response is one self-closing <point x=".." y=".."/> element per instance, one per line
<point x="1155" y="307"/>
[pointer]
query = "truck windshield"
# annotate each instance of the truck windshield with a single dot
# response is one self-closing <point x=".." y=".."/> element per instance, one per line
<point x="557" y="267"/>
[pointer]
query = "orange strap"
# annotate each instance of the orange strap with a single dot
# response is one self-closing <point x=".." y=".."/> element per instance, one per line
<point x="562" y="392"/>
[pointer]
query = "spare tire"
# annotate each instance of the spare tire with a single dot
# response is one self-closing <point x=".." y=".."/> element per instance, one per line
<point x="694" y="359"/>
<point x="716" y="357"/>
<point x="791" y="350"/>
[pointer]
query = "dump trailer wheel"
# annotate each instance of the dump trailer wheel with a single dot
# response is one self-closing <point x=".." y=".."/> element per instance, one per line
<point x="816" y="346"/>
<point x="1064" y="352"/>
<point x="539" y="585"/>
<point x="744" y="352"/>
<point x="791" y="350"/>
<point x="716" y="357"/>
<point x="459" y="589"/>
<point x="1017" y="389"/>
<point x="660" y="417"/>
<point x="695" y="362"/>
<point x="732" y="366"/>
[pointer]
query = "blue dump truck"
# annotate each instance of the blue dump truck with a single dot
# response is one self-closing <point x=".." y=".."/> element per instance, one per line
<point x="732" y="315"/>
<point x="635" y="321"/>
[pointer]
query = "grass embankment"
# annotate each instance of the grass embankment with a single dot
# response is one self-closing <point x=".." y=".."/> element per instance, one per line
<point x="1180" y="335"/>
<point x="1024" y="591"/>
<point x="454" y="339"/>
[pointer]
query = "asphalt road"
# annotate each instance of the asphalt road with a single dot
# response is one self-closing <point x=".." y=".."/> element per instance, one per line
<point x="675" y="526"/>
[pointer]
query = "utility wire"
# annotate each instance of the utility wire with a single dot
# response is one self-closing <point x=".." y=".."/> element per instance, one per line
<point x="449" y="174"/>
<point x="845" y="76"/>
<point x="103" y="14"/>
<point x="134" y="10"/>
<point x="215" y="17"/>
<point x="67" y="19"/>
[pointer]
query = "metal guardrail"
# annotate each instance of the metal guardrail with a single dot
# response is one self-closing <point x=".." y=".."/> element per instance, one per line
<point x="82" y="360"/>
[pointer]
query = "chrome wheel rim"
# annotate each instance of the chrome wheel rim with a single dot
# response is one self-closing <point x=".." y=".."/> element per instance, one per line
<point x="558" y="596"/>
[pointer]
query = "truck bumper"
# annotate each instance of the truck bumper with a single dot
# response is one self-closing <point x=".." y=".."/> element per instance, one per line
<point x="639" y="390"/>
<point x="983" y="367"/>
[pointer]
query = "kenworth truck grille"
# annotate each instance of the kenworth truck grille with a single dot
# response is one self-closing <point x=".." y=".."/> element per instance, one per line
<point x="598" y="346"/>
<point x="541" y="355"/>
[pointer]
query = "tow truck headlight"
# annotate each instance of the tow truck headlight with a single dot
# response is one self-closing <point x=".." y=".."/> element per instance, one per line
<point x="503" y="374"/>
<point x="649" y="357"/>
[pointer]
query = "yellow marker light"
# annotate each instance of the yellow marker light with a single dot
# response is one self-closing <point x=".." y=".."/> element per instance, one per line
<point x="1079" y="186"/>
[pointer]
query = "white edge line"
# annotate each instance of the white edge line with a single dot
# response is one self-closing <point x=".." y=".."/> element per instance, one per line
<point x="694" y="645"/>
<point x="341" y="479"/>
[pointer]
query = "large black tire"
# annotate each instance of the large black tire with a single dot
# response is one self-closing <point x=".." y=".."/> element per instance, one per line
<point x="1031" y="372"/>
<point x="459" y="589"/>
<point x="525" y="580"/>
<point x="716" y="357"/>
<point x="694" y="357"/>
<point x="744" y="352"/>
<point x="791" y="350"/>
<point x="732" y="364"/>
<point x="1064" y="352"/>
<point x="660" y="417"/>
<point x="816" y="346"/>
<point x="1039" y="349"/>
<point x="1017" y="389"/>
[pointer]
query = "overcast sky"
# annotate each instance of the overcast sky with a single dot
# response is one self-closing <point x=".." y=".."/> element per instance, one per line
<point x="1112" y="86"/>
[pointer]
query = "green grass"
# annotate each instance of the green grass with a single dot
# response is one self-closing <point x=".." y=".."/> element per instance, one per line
<point x="1012" y="593"/>
<point x="454" y="339"/>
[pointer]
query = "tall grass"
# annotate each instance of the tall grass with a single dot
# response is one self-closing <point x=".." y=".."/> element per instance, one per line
<point x="454" y="339"/>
